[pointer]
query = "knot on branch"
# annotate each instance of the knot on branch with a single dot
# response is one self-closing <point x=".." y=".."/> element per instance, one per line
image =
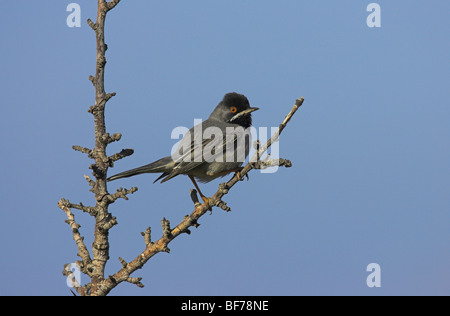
<point x="191" y="221"/>
<point x="223" y="188"/>
<point x="101" y="62"/>
<point x="97" y="172"/>
<point x="107" y="139"/>
<point x="75" y="227"/>
<point x="63" y="203"/>
<point x="223" y="205"/>
<point x="109" y="224"/>
<point x="95" y="109"/>
<point x="99" y="106"/>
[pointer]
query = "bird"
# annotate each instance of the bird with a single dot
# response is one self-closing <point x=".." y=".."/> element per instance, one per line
<point x="203" y="157"/>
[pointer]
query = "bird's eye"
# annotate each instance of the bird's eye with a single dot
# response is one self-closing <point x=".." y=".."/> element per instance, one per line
<point x="233" y="109"/>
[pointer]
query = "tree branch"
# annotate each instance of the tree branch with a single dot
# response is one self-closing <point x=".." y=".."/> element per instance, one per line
<point x="123" y="153"/>
<point x="161" y="245"/>
<point x="104" y="221"/>
<point x="94" y="265"/>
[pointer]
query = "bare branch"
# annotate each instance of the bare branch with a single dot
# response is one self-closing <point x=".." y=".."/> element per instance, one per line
<point x="166" y="228"/>
<point x="111" y="4"/>
<point x="266" y="163"/>
<point x="87" y="209"/>
<point x="107" y="139"/>
<point x="123" y="262"/>
<point x="136" y="281"/>
<point x="104" y="221"/>
<point x="147" y="236"/>
<point x="109" y="95"/>
<point x="93" y="26"/>
<point x="122" y="193"/>
<point x="90" y="182"/>
<point x="123" y="153"/>
<point x="79" y="240"/>
<point x="94" y="266"/>
<point x="83" y="150"/>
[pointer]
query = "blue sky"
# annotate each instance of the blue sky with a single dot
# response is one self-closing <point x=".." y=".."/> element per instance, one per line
<point x="370" y="147"/>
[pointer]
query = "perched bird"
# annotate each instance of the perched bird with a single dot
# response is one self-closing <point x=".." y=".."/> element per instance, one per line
<point x="211" y="149"/>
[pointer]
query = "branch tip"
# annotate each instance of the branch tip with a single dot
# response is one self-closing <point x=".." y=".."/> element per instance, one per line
<point x="299" y="102"/>
<point x="123" y="262"/>
<point x="109" y="96"/>
<point x="136" y="281"/>
<point x="147" y="236"/>
<point x="92" y="24"/>
<point x="90" y="182"/>
<point x="121" y="193"/>
<point x="111" y="4"/>
<point x="123" y="153"/>
<point x="167" y="232"/>
<point x="92" y="79"/>
<point x="84" y="150"/>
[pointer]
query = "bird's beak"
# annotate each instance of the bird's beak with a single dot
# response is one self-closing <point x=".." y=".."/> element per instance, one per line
<point x="245" y="112"/>
<point x="250" y="110"/>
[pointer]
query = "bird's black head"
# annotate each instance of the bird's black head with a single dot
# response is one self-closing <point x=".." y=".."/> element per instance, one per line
<point x="235" y="109"/>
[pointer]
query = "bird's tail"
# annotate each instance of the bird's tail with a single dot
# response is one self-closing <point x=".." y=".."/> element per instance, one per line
<point x="163" y="165"/>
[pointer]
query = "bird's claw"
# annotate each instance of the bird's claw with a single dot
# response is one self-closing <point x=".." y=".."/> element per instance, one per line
<point x="205" y="199"/>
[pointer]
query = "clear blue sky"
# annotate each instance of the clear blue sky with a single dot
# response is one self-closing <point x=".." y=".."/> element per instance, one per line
<point x="370" y="147"/>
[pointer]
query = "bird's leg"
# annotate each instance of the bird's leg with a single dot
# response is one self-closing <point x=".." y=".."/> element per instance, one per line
<point x="204" y="198"/>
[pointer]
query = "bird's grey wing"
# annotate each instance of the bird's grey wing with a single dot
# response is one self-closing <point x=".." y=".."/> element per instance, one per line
<point x="188" y="155"/>
<point x="231" y="152"/>
<point x="227" y="146"/>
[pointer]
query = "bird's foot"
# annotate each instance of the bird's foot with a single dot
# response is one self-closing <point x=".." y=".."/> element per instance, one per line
<point x="205" y="199"/>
